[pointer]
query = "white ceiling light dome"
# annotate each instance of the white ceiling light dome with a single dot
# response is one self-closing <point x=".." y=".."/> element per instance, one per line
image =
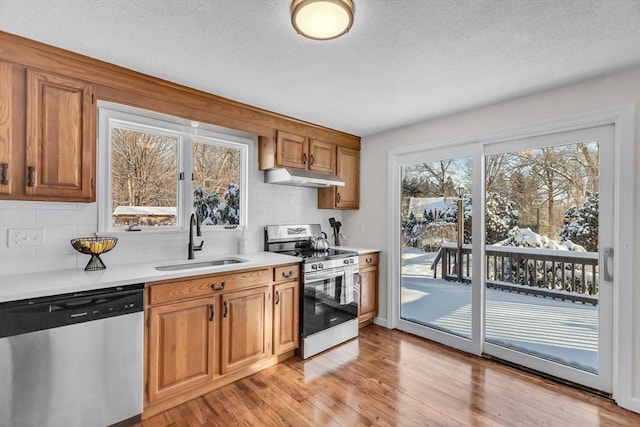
<point x="322" y="19"/>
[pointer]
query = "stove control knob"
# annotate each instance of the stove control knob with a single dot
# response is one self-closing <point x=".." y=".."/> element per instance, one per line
<point x="314" y="266"/>
<point x="346" y="261"/>
<point x="320" y="266"/>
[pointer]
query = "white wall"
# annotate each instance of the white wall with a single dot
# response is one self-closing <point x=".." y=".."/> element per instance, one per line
<point x="368" y="226"/>
<point x="268" y="204"/>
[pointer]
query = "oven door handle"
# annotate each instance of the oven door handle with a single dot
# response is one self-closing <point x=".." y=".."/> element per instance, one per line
<point x="320" y="276"/>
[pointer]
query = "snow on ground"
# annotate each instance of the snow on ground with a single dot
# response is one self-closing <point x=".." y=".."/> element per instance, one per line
<point x="562" y="331"/>
<point x="416" y="262"/>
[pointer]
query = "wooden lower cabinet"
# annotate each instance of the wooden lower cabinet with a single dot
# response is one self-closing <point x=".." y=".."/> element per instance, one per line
<point x="368" y="307"/>
<point x="246" y="316"/>
<point x="285" y="317"/>
<point x="207" y="331"/>
<point x="182" y="347"/>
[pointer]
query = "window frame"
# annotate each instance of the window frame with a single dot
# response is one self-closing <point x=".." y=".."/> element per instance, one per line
<point x="187" y="133"/>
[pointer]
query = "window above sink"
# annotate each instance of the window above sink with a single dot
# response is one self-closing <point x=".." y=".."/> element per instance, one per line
<point x="156" y="169"/>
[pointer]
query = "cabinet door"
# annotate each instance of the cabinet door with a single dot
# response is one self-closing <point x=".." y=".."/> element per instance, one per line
<point x="348" y="168"/>
<point x="285" y="317"/>
<point x="10" y="128"/>
<point x="291" y="150"/>
<point x="182" y="347"/>
<point x="368" y="293"/>
<point x="60" y="157"/>
<point x="245" y="331"/>
<point x="322" y="156"/>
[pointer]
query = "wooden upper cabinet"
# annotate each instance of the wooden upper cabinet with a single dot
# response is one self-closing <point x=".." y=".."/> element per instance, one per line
<point x="322" y="156"/>
<point x="291" y="150"/>
<point x="9" y="163"/>
<point x="60" y="143"/>
<point x="347" y="168"/>
<point x="297" y="151"/>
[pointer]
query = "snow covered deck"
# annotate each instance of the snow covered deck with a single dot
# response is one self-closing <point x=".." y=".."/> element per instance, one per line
<point x="564" y="331"/>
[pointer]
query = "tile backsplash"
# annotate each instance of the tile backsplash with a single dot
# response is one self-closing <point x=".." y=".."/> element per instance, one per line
<point x="268" y="204"/>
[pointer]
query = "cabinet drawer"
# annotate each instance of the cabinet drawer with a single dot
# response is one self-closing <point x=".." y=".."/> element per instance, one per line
<point x="286" y="272"/>
<point x="160" y="292"/>
<point x="368" y="259"/>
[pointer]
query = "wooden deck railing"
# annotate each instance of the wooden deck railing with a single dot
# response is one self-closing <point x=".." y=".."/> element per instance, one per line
<point x="564" y="275"/>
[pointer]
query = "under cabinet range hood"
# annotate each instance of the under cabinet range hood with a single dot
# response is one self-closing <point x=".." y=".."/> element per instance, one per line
<point x="302" y="178"/>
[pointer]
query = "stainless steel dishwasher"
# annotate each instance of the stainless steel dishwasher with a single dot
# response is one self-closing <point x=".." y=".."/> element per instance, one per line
<point x="72" y="360"/>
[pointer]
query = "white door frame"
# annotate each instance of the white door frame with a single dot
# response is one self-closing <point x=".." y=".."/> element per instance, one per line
<point x="622" y="117"/>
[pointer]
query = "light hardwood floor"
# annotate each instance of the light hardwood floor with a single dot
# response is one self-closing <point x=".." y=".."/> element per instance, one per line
<point x="389" y="378"/>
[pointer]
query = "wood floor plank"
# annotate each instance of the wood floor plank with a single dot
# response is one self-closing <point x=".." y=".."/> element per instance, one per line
<point x="389" y="378"/>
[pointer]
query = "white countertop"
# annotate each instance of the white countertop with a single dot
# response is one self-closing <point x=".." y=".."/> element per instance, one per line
<point x="33" y="285"/>
<point x="360" y="251"/>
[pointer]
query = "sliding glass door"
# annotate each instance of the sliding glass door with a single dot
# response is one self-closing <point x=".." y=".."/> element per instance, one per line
<point x="503" y="250"/>
<point x="548" y="222"/>
<point x="436" y="246"/>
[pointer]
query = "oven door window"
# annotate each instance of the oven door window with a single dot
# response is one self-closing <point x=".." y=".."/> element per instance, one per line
<point x="329" y="300"/>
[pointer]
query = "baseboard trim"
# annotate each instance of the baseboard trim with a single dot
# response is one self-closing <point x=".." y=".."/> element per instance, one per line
<point x="381" y="321"/>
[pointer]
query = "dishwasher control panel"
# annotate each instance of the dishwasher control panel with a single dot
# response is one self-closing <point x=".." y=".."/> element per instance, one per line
<point x="19" y="317"/>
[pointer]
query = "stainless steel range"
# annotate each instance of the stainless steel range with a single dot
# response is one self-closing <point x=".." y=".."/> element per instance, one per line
<point x="330" y="287"/>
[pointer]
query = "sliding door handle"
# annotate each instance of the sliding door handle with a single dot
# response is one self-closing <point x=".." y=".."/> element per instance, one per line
<point x="608" y="253"/>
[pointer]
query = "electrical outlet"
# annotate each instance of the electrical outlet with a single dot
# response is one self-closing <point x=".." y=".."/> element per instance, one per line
<point x="20" y="237"/>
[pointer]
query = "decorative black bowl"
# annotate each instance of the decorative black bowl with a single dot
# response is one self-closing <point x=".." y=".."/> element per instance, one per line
<point x="94" y="246"/>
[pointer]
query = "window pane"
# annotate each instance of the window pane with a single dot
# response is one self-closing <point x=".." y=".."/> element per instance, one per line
<point x="144" y="184"/>
<point x="216" y="184"/>
<point x="542" y="276"/>
<point x="436" y="245"/>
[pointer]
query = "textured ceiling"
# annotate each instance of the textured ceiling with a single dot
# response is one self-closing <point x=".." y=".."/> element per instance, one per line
<point x="404" y="61"/>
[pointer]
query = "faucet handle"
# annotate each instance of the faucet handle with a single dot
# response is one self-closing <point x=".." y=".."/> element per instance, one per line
<point x="198" y="247"/>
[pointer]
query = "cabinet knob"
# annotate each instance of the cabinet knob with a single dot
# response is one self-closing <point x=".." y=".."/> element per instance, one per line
<point x="288" y="274"/>
<point x="225" y="309"/>
<point x="311" y="159"/>
<point x="369" y="260"/>
<point x="338" y="197"/>
<point x="304" y="158"/>
<point x="3" y="178"/>
<point x="277" y="297"/>
<point x="211" y="312"/>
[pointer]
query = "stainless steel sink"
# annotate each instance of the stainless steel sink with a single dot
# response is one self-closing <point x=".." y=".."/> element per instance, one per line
<point x="190" y="265"/>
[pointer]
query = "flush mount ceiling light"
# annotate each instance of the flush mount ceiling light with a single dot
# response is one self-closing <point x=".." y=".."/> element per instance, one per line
<point x="322" y="19"/>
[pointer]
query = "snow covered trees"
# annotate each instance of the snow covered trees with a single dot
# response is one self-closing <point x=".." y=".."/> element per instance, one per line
<point x="581" y="225"/>
<point x="500" y="217"/>
<point x="213" y="211"/>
